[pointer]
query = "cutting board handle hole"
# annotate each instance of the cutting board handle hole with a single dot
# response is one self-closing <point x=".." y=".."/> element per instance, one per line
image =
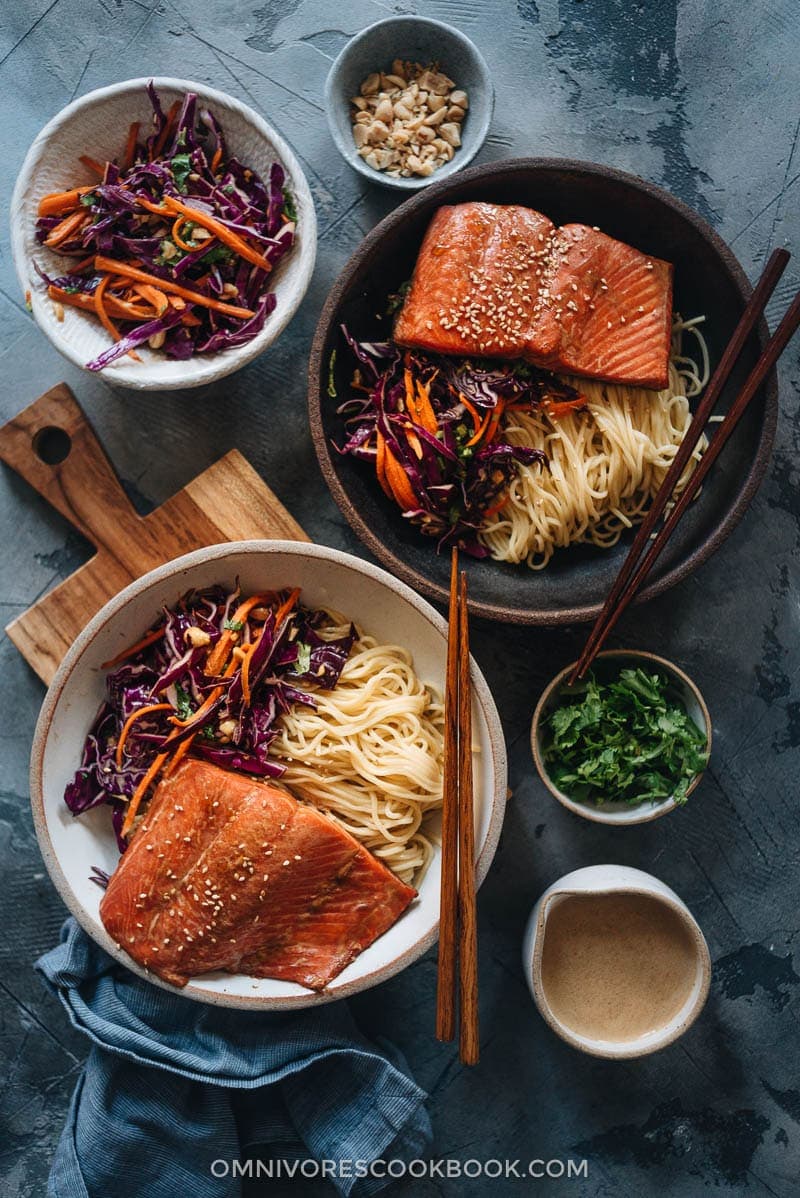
<point x="52" y="445"/>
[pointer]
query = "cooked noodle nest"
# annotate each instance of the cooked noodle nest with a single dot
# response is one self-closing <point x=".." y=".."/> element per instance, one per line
<point x="604" y="463"/>
<point x="370" y="754"/>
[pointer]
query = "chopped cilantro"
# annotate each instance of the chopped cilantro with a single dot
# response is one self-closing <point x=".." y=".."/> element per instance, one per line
<point x="289" y="205"/>
<point x="184" y="708"/>
<point x="88" y="199"/>
<point x="234" y="625"/>
<point x="218" y="253"/>
<point x="627" y="739"/>
<point x="398" y="298"/>
<point x="303" y="663"/>
<point x="181" y="169"/>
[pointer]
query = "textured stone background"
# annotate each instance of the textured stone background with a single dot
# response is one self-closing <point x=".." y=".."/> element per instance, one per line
<point x="701" y="97"/>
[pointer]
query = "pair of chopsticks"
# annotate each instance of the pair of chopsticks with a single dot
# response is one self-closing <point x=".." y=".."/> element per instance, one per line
<point x="634" y="571"/>
<point x="458" y="929"/>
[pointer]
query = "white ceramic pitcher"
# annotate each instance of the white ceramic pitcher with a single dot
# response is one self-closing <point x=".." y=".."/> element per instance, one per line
<point x="614" y="879"/>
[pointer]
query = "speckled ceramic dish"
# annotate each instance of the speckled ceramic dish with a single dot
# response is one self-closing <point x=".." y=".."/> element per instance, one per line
<point x="708" y="280"/>
<point x="386" y="608"/>
<point x="416" y="39"/>
<point x="612" y="812"/>
<point x="98" y="122"/>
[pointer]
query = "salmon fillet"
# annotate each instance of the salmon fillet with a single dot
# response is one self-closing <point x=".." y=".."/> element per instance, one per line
<point x="502" y="281"/>
<point x="231" y="873"/>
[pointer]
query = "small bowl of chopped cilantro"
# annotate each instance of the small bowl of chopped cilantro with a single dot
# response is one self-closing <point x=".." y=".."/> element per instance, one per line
<point x="626" y="744"/>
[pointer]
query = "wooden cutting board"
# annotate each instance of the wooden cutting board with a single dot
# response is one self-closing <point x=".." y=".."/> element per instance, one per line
<point x="227" y="502"/>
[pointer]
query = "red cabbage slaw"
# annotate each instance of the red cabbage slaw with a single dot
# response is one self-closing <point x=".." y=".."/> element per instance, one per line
<point x="224" y="205"/>
<point x="230" y="719"/>
<point x="431" y="427"/>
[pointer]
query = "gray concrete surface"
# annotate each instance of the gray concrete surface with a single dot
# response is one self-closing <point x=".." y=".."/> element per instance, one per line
<point x="703" y="98"/>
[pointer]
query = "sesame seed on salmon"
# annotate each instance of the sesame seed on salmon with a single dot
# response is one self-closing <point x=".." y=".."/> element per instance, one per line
<point x="502" y="281"/>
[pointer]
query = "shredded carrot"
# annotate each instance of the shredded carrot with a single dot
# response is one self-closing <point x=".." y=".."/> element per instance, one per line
<point x="560" y="408"/>
<point x="165" y="132"/>
<point x="154" y="296"/>
<point x="181" y="751"/>
<point x="193" y="297"/>
<point x="106" y="321"/>
<point x="130" y="147"/>
<point x="225" y="235"/>
<point x="476" y="436"/>
<point x="398" y="482"/>
<point x="380" y="465"/>
<point x="246" y="669"/>
<point x="149" y="639"/>
<point x="176" y="235"/>
<point x="280" y="615"/>
<point x="496" y="507"/>
<point x="83" y="265"/>
<point x="99" y="308"/>
<point x="131" y="720"/>
<point x="427" y="416"/>
<point x="221" y="651"/>
<point x="216" y="161"/>
<point x="57" y="203"/>
<point x="494" y="423"/>
<point x="473" y="411"/>
<point x="140" y="792"/>
<point x="286" y="607"/>
<point x="92" y="164"/>
<point x="114" y="306"/>
<point x="65" y="228"/>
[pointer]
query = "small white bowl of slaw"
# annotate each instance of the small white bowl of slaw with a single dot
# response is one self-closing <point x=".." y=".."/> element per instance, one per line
<point x="96" y="125"/>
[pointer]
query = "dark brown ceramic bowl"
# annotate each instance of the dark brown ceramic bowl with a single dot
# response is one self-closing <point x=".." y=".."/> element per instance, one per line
<point x="708" y="279"/>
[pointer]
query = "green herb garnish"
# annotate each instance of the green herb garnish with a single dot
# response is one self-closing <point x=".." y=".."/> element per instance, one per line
<point x="289" y="207"/>
<point x="397" y="298"/>
<point x="88" y="199"/>
<point x="629" y="739"/>
<point x="303" y="663"/>
<point x="181" y="169"/>
<point x="184" y="708"/>
<point x="218" y="253"/>
<point x="170" y="255"/>
<point x="234" y="625"/>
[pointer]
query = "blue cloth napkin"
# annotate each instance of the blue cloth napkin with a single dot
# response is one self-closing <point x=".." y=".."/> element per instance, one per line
<point x="174" y="1091"/>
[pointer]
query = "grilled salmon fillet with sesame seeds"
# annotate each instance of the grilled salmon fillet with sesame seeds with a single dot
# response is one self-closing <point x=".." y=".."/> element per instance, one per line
<point x="502" y="281"/>
<point x="230" y="873"/>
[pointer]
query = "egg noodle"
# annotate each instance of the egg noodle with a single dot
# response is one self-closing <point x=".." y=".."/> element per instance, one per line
<point x="370" y="754"/>
<point x="604" y="463"/>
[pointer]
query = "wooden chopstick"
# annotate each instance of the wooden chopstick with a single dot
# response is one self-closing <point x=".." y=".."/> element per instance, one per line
<point x="446" y="983"/>
<point x="766" y="361"/>
<point x="612" y="608"/>
<point x="457" y="985"/>
<point x="469" y="1045"/>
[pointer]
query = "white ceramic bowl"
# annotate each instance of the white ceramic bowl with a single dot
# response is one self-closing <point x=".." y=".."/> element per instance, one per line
<point x="388" y="609"/>
<point x="97" y="124"/>
<point x="614" y="811"/>
<point x="614" y="879"/>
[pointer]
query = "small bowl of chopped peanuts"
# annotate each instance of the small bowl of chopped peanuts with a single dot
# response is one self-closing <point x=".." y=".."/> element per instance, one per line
<point x="409" y="101"/>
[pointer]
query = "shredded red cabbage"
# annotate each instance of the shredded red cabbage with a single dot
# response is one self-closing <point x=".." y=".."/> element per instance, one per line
<point x="185" y="157"/>
<point x="232" y="732"/>
<point x="459" y="467"/>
